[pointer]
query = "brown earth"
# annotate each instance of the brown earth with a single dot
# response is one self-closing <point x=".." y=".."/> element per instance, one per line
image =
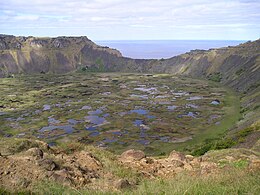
<point x="81" y="168"/>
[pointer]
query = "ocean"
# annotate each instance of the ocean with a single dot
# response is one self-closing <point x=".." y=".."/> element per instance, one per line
<point x="157" y="49"/>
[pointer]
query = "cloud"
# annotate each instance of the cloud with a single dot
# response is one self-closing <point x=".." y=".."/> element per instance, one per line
<point x="171" y="18"/>
<point x="140" y="26"/>
<point x="26" y="17"/>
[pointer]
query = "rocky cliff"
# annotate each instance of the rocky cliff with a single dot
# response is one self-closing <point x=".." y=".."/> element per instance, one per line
<point x="54" y="55"/>
<point x="238" y="67"/>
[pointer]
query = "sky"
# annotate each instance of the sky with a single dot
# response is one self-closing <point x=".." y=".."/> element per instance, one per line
<point x="133" y="19"/>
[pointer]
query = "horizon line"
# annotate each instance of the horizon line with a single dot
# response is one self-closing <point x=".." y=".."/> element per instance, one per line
<point x="174" y="40"/>
<point x="128" y="39"/>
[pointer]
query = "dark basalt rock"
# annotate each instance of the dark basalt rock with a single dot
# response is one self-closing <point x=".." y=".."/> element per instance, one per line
<point x="60" y="43"/>
<point x="38" y="43"/>
<point x="3" y="45"/>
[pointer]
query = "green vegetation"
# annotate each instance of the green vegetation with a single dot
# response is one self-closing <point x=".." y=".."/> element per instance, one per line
<point x="230" y="181"/>
<point x="214" y="144"/>
<point x="224" y="142"/>
<point x="99" y="66"/>
<point x="216" y="77"/>
<point x="128" y="104"/>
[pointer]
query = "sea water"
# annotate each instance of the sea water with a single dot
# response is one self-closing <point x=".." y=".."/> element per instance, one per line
<point x="157" y="49"/>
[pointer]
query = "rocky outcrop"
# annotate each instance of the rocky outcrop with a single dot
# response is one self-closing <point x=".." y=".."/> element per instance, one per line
<point x="34" y="165"/>
<point x="175" y="163"/>
<point x="33" y="161"/>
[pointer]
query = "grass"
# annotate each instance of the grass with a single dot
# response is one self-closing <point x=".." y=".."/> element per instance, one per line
<point x="213" y="135"/>
<point x="14" y="145"/>
<point x="230" y="180"/>
<point x="233" y="177"/>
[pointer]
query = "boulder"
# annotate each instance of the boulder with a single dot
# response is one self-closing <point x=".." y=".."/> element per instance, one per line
<point x="35" y="152"/>
<point x="86" y="161"/>
<point x="132" y="155"/>
<point x="122" y="184"/>
<point x="174" y="155"/>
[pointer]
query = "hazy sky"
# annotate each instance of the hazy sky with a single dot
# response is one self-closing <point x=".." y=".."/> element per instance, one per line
<point x="133" y="19"/>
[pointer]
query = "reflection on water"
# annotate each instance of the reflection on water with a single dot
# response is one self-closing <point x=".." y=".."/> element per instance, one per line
<point x="215" y="102"/>
<point x="194" y="98"/>
<point x="67" y="128"/>
<point x="139" y="111"/>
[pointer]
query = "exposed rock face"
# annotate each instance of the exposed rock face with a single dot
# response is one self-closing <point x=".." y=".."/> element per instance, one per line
<point x="238" y="67"/>
<point x="54" y="55"/>
<point x="33" y="165"/>
<point x="168" y="167"/>
<point x="3" y="45"/>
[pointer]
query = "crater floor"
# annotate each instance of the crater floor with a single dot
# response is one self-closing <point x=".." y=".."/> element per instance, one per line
<point x="155" y="113"/>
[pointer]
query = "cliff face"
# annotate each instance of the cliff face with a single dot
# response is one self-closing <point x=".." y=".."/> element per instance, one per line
<point x="237" y="67"/>
<point x="55" y="55"/>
